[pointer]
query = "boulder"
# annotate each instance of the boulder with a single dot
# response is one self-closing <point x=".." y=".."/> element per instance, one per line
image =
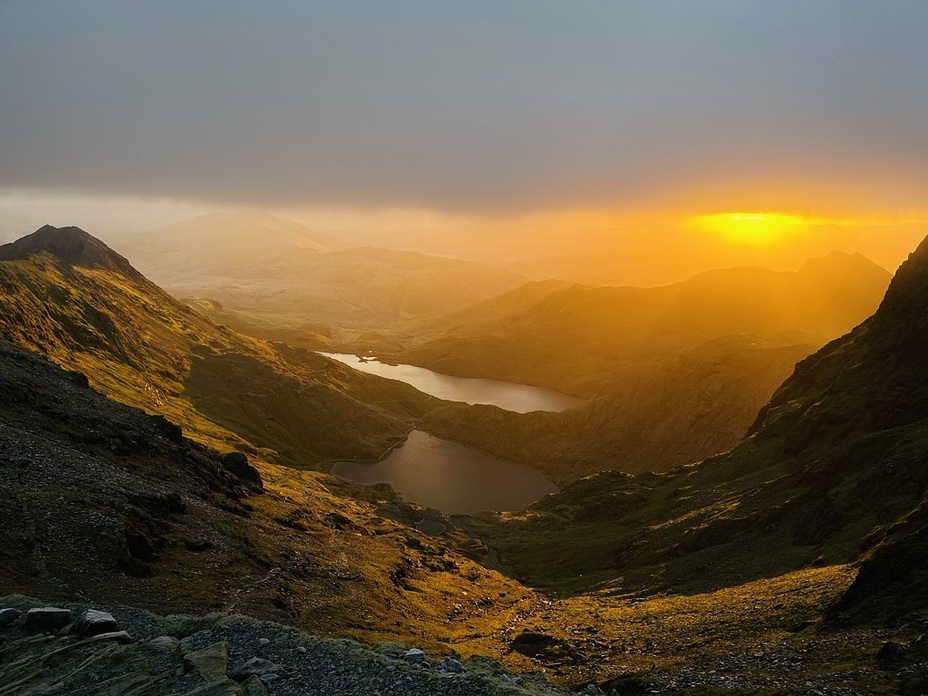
<point x="253" y="686"/>
<point x="169" y="643"/>
<point x="891" y="655"/>
<point x="414" y="655"/>
<point x="449" y="664"/>
<point x="44" y="619"/>
<point x="93" y="622"/>
<point x="237" y="464"/>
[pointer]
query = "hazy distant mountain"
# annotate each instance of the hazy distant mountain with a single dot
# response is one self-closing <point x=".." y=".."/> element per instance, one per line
<point x="280" y="272"/>
<point x="574" y="338"/>
<point x="69" y="297"/>
<point x="221" y="241"/>
<point x="832" y="472"/>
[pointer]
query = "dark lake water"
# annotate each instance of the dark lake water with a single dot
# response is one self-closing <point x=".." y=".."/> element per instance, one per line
<point x="450" y="477"/>
<point x="508" y="395"/>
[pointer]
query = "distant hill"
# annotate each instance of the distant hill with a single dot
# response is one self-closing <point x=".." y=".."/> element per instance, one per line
<point x="833" y="472"/>
<point x="280" y="272"/>
<point x="71" y="246"/>
<point x="69" y="297"/>
<point x="573" y="338"/>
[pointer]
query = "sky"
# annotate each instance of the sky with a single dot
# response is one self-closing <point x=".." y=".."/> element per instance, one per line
<point x="375" y="117"/>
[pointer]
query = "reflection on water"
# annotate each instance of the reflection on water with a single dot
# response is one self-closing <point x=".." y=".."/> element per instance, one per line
<point x="508" y="395"/>
<point x="450" y="477"/>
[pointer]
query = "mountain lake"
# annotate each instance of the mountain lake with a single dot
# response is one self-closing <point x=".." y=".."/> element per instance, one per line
<point x="510" y="396"/>
<point x="450" y="477"/>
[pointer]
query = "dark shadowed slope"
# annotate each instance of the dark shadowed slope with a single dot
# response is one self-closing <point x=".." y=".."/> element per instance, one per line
<point x="681" y="411"/>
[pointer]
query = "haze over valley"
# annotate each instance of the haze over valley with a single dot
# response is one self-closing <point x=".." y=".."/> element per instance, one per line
<point x="499" y="349"/>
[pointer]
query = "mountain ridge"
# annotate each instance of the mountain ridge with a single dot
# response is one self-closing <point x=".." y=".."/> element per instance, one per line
<point x="266" y="272"/>
<point x="141" y="346"/>
<point x="829" y="474"/>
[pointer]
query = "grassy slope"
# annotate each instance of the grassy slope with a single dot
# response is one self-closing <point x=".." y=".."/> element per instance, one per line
<point x="322" y="554"/>
<point x="103" y="502"/>
<point x="140" y="346"/>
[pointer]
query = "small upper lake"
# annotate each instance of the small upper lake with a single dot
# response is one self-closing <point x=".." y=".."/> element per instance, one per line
<point x="450" y="477"/>
<point x="520" y="398"/>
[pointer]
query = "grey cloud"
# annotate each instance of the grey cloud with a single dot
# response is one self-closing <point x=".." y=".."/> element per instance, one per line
<point x="469" y="106"/>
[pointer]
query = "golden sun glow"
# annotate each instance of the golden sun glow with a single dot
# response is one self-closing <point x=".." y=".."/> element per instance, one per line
<point x="753" y="227"/>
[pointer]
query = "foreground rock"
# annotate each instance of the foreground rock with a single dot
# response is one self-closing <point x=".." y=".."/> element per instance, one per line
<point x="225" y="655"/>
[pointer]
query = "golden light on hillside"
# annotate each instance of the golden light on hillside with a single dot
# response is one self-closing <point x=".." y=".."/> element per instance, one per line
<point x="752" y="227"/>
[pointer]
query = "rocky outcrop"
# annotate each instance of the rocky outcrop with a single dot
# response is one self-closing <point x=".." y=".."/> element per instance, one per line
<point x="230" y="655"/>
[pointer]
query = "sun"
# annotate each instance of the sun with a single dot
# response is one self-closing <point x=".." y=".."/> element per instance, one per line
<point x="752" y="227"/>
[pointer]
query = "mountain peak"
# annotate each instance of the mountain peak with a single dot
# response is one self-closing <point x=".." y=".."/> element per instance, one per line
<point x="843" y="262"/>
<point x="70" y="245"/>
